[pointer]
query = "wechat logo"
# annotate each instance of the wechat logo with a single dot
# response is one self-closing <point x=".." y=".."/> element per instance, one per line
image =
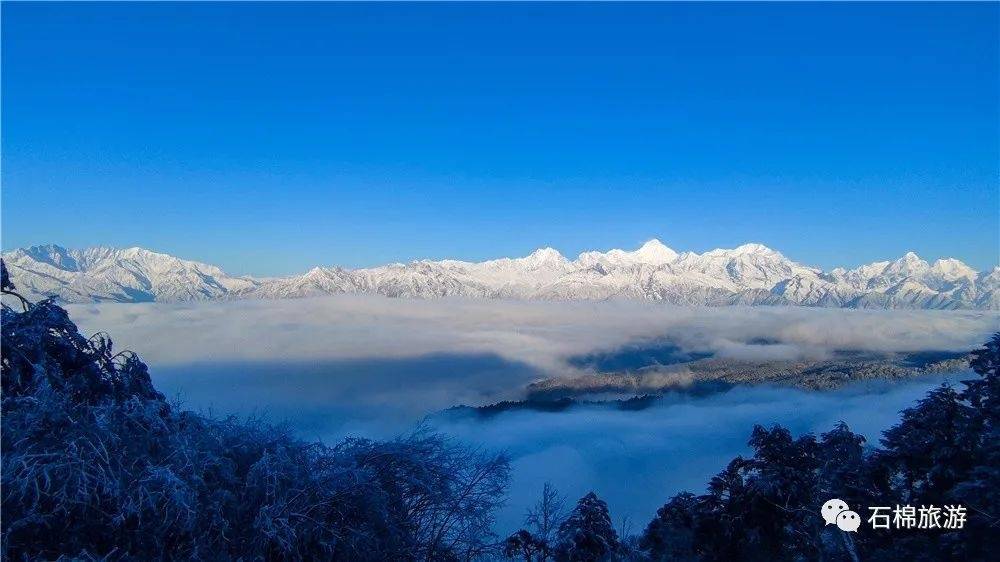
<point x="836" y="512"/>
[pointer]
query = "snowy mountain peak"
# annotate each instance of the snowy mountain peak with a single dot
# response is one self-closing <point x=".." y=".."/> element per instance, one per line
<point x="908" y="265"/>
<point x="947" y="274"/>
<point x="754" y="248"/>
<point x="744" y="254"/>
<point x="52" y="254"/>
<point x="546" y="255"/>
<point x="950" y="267"/>
<point x="654" y="252"/>
<point x="547" y="252"/>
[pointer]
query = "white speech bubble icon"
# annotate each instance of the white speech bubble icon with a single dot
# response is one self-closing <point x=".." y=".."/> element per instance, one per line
<point x="831" y="509"/>
<point x="848" y="521"/>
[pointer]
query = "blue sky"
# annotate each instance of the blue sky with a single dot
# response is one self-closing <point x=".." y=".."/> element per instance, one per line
<point x="269" y="138"/>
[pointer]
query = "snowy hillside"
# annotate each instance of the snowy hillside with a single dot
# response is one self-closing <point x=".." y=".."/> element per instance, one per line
<point x="751" y="274"/>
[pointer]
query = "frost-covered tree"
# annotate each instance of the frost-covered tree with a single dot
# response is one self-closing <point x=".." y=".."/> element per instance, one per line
<point x="544" y="519"/>
<point x="669" y="537"/>
<point x="841" y="465"/>
<point x="588" y="534"/>
<point x="537" y="540"/>
<point x="931" y="448"/>
<point x="984" y="392"/>
<point x="980" y="489"/>
<point x="523" y="545"/>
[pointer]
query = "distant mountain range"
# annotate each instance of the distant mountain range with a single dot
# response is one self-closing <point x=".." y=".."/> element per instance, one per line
<point x="751" y="274"/>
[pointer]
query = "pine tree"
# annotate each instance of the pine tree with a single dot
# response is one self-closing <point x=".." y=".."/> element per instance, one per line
<point x="524" y="545"/>
<point x="841" y="464"/>
<point x="931" y="449"/>
<point x="979" y="491"/>
<point x="670" y="535"/>
<point x="588" y="534"/>
<point x="984" y="393"/>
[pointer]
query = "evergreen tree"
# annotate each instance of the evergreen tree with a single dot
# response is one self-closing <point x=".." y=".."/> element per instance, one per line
<point x="979" y="491"/>
<point x="842" y="465"/>
<point x="718" y="532"/>
<point x="522" y="544"/>
<point x="932" y="448"/>
<point x="670" y="535"/>
<point x="984" y="393"/>
<point x="587" y="535"/>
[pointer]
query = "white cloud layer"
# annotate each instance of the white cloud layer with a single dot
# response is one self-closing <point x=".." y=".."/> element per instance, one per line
<point x="541" y="334"/>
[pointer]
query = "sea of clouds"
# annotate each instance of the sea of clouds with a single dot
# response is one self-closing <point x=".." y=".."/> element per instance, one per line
<point x="374" y="366"/>
<point x="541" y="334"/>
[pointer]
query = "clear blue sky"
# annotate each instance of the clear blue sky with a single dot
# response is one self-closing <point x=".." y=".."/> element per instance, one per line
<point x="268" y="138"/>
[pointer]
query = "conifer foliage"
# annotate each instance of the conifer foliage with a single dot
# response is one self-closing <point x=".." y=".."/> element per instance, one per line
<point x="587" y="535"/>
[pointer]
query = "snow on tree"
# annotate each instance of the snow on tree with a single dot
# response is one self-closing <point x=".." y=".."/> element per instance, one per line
<point x="588" y="534"/>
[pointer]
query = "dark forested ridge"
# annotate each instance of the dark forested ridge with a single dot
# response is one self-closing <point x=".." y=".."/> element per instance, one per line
<point x="97" y="465"/>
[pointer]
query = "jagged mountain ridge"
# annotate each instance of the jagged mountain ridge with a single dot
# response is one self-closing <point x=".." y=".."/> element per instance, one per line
<point x="751" y="274"/>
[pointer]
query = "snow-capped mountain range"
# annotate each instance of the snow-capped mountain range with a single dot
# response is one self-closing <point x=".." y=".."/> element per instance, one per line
<point x="751" y="274"/>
